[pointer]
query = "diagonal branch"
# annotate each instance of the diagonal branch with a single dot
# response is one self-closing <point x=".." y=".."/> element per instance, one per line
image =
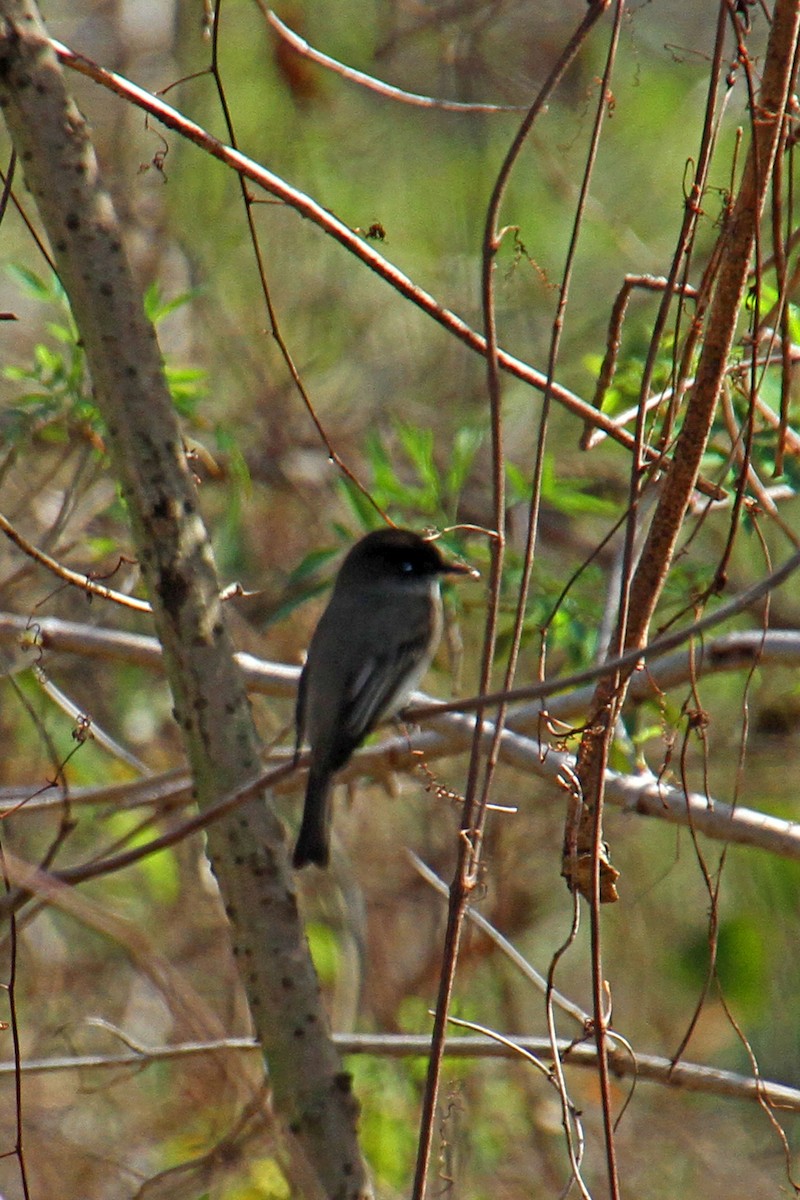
<point x="325" y="220"/>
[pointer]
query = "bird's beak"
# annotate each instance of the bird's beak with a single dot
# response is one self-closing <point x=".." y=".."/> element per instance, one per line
<point x="460" y="569"/>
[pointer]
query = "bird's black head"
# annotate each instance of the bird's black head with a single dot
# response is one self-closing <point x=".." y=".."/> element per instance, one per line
<point x="396" y="554"/>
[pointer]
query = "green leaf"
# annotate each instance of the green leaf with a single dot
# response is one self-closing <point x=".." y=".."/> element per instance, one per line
<point x="186" y="375"/>
<point x="157" y="309"/>
<point x="17" y="374"/>
<point x="62" y="333"/>
<point x="44" y="398"/>
<point x="47" y="359"/>
<point x="519" y="483"/>
<point x="466" y="443"/>
<point x="418" y="445"/>
<point x="311" y="563"/>
<point x="102" y="547"/>
<point x="31" y="283"/>
<point x="569" y="495"/>
<point x="383" y="472"/>
<point x="794" y="322"/>
<point x="324" y="950"/>
<point x="363" y="510"/>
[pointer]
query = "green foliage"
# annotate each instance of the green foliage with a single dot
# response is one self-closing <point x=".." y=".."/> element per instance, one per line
<point x="409" y="485"/>
<point x="361" y="159"/>
<point x="228" y="538"/>
<point x="267" y="1183"/>
<point x="571" y="620"/>
<point x="416" y="486"/>
<point x="412" y="485"/>
<point x="55" y="399"/>
<point x="156" y="308"/>
<point x="741" y="963"/>
<point x="55" y="395"/>
<point x="623" y="391"/>
<point x="305" y="582"/>
<point x="569" y="495"/>
<point x="389" y="1099"/>
<point x="764" y="439"/>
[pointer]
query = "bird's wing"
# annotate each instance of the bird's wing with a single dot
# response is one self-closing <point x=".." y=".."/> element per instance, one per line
<point x="378" y="687"/>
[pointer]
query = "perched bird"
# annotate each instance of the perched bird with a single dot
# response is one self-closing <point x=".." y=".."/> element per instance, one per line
<point x="371" y="648"/>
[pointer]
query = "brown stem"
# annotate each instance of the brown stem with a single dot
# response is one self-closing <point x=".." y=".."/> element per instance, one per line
<point x="736" y="245"/>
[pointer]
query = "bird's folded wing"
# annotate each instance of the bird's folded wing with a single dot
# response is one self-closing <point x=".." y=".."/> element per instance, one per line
<point x="379" y="687"/>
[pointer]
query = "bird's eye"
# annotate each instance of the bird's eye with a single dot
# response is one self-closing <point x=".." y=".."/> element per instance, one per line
<point x="406" y="567"/>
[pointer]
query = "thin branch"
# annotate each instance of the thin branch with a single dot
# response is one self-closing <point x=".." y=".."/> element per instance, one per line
<point x="451" y="733"/>
<point x="279" y="679"/>
<point x="301" y="47"/>
<point x="728" y="652"/>
<point x="685" y="1077"/>
<point x="601" y="1021"/>
<point x="86" y="583"/>
<point x="632" y="658"/>
<point x="605" y="376"/>
<point x="644" y="794"/>
<point x="90" y="641"/>
<point x="15" y="1066"/>
<point x="99" y="867"/>
<point x="85" y="728"/>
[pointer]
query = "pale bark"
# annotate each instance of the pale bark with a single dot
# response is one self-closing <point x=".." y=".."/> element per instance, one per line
<point x="310" y="1091"/>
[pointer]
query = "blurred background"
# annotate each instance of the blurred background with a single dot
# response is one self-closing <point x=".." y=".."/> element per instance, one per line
<point x="405" y="406"/>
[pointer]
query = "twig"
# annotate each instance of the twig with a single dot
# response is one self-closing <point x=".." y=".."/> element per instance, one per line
<point x="301" y="46"/>
<point x="15" y="1067"/>
<point x="735" y="246"/>
<point x="686" y="1077"/>
<point x="85" y="728"/>
<point x="85" y="582"/>
<point x="605" y="376"/>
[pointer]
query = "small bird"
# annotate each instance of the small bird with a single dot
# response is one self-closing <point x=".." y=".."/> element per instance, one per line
<point x="372" y="646"/>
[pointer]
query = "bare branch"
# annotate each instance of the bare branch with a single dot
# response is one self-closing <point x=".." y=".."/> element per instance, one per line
<point x="301" y="46"/>
<point x="684" y="1076"/>
<point x="85" y="582"/>
<point x="450" y="734"/>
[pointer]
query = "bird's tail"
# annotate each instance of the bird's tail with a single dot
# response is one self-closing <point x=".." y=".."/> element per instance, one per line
<point x="313" y="842"/>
